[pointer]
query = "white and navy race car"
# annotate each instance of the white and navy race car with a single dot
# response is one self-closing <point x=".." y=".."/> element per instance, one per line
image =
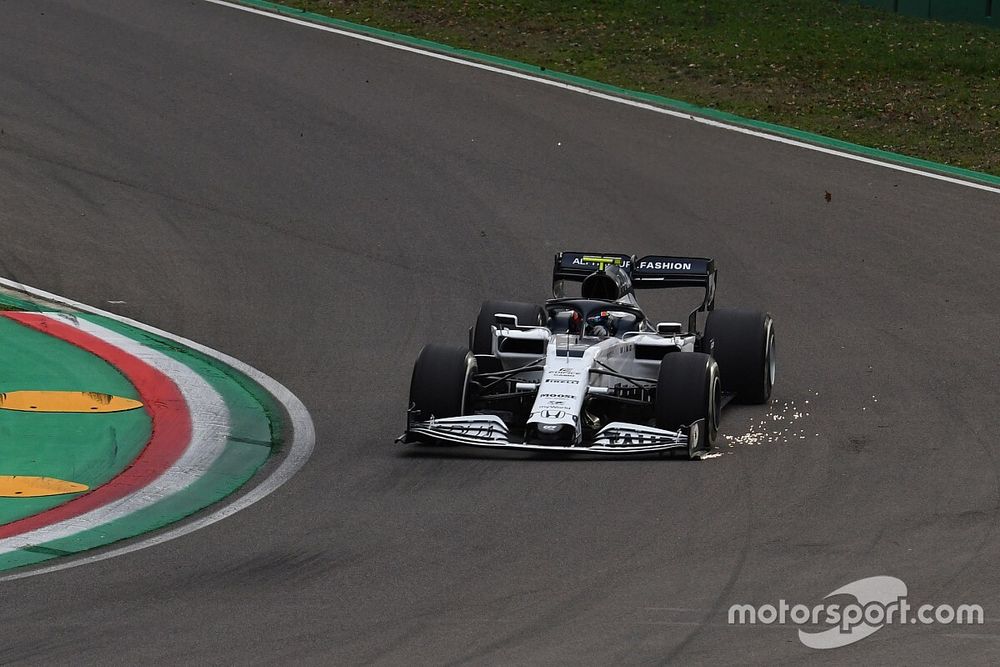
<point x="593" y="374"/>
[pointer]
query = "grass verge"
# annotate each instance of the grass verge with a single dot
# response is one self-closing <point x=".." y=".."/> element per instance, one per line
<point x="902" y="84"/>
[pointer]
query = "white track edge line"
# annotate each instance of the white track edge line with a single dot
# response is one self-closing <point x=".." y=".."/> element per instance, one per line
<point x="302" y="439"/>
<point x="613" y="98"/>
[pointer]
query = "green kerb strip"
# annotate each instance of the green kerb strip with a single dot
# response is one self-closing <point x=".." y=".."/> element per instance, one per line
<point x="46" y="551"/>
<point x="722" y="116"/>
<point x="10" y="302"/>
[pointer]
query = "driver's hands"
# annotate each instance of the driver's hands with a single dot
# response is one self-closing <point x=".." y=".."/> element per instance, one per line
<point x="597" y="325"/>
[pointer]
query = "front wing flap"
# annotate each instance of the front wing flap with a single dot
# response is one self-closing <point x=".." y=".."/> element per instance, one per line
<point x="615" y="438"/>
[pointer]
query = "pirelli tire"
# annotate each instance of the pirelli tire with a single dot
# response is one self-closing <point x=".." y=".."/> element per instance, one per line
<point x="688" y="390"/>
<point x="742" y="342"/>
<point x="481" y="341"/>
<point x="441" y="384"/>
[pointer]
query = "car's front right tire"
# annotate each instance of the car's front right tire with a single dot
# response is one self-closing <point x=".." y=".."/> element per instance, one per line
<point x="441" y="384"/>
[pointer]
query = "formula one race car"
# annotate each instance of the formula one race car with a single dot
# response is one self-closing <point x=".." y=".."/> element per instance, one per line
<point x="593" y="374"/>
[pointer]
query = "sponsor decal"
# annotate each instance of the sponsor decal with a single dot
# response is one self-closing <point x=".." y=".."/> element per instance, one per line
<point x="600" y="261"/>
<point x="877" y="602"/>
<point x="635" y="438"/>
<point x="468" y="430"/>
<point x="666" y="266"/>
<point x="556" y="396"/>
<point x="554" y="414"/>
<point x="620" y="350"/>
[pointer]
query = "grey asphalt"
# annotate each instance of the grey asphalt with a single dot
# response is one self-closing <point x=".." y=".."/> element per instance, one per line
<point x="321" y="207"/>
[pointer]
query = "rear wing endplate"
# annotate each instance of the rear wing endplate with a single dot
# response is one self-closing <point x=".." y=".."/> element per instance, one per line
<point x="662" y="271"/>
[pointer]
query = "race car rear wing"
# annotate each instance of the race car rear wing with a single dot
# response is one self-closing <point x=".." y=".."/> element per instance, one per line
<point x="650" y="272"/>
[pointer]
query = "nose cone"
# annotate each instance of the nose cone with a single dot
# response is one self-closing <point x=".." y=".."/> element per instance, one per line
<point x="551" y="434"/>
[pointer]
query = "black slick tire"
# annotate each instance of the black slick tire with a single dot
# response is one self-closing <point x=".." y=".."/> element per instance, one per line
<point x="742" y="342"/>
<point x="688" y="390"/>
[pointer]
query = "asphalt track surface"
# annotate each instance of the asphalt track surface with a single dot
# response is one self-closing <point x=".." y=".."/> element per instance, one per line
<point x="321" y="207"/>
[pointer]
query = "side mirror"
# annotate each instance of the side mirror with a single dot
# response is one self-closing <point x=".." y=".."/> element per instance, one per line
<point x="505" y="320"/>
<point x="669" y="328"/>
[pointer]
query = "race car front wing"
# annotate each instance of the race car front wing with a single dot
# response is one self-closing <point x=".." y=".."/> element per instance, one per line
<point x="614" y="438"/>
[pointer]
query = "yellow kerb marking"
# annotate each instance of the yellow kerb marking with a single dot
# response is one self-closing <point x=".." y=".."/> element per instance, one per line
<point x="65" y="401"/>
<point x="24" y="486"/>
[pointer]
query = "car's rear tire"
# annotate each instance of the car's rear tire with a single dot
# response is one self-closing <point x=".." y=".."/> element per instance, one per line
<point x="742" y="342"/>
<point x="688" y="389"/>
<point x="441" y="382"/>
<point x="482" y="337"/>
